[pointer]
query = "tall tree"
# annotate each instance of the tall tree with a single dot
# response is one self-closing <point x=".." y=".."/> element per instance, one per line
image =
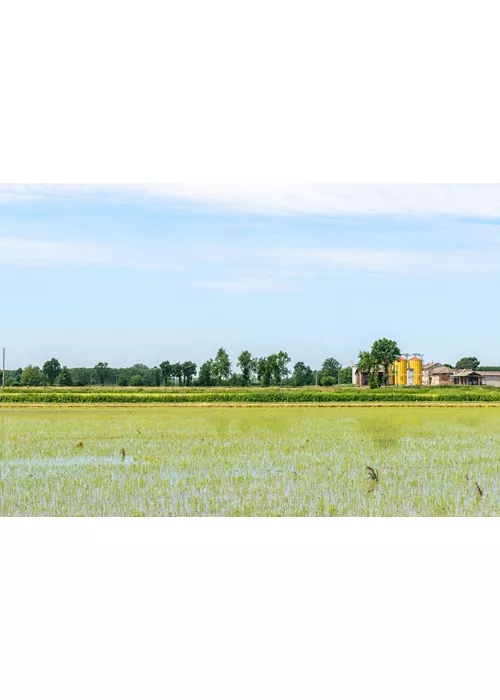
<point x="65" y="377"/>
<point x="302" y="375"/>
<point x="177" y="371"/>
<point x="468" y="363"/>
<point x="52" y="369"/>
<point x="188" y="371"/>
<point x="102" y="372"/>
<point x="331" y="367"/>
<point x="205" y="376"/>
<point x="166" y="370"/>
<point x="155" y="376"/>
<point x="283" y="360"/>
<point x="264" y="371"/>
<point x="385" y="352"/>
<point x="248" y="365"/>
<point x="221" y="366"/>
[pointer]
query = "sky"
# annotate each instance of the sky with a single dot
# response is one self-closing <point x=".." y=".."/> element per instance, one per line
<point x="145" y="273"/>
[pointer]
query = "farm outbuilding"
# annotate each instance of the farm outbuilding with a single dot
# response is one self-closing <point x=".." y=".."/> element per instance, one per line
<point x="441" y="376"/>
<point x="476" y="377"/>
<point x="468" y="377"/>
<point x="490" y="378"/>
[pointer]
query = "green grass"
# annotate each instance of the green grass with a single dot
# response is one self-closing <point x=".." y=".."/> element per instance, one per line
<point x="249" y="461"/>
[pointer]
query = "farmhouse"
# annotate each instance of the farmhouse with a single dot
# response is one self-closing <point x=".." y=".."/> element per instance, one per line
<point x="440" y="376"/>
<point x="427" y="371"/>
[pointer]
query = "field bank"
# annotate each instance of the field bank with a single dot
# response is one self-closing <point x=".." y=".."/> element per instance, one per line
<point x="254" y="461"/>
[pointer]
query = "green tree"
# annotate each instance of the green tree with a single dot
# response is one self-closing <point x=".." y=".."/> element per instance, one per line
<point x="302" y="375"/>
<point x="81" y="376"/>
<point x="52" y="369"/>
<point x="468" y="363"/>
<point x="248" y="365"/>
<point x="283" y="360"/>
<point x="136" y="380"/>
<point x="331" y="367"/>
<point x="205" y="375"/>
<point x="345" y="375"/>
<point x="237" y="380"/>
<point x="368" y="363"/>
<point x="385" y="352"/>
<point x="156" y="376"/>
<point x="276" y="368"/>
<point x="177" y="371"/>
<point x="122" y="380"/>
<point x="65" y="377"/>
<point x="188" y="372"/>
<point x="31" y="376"/>
<point x="166" y="370"/>
<point x="102" y="372"/>
<point x="264" y="371"/>
<point x="221" y="366"/>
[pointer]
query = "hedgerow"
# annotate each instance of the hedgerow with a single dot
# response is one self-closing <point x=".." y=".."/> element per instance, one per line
<point x="467" y="395"/>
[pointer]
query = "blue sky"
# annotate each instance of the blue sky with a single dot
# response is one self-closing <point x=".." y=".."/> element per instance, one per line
<point x="144" y="273"/>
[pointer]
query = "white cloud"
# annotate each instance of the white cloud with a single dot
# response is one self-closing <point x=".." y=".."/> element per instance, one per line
<point x="250" y="269"/>
<point x="24" y="252"/>
<point x="482" y="201"/>
<point x="458" y="200"/>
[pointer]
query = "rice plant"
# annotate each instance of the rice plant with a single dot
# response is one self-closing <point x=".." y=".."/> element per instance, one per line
<point x="288" y="460"/>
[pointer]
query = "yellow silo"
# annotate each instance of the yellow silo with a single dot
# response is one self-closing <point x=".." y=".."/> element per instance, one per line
<point x="401" y="368"/>
<point x="415" y="364"/>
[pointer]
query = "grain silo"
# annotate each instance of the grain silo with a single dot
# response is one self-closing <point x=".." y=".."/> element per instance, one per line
<point x="401" y="371"/>
<point x="415" y="365"/>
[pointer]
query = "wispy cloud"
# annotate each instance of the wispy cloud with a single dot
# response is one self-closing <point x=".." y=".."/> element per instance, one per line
<point x="25" y="252"/>
<point x="482" y="201"/>
<point x="252" y="269"/>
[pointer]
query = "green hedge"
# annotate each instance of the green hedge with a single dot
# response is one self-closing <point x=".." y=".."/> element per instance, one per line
<point x="251" y="396"/>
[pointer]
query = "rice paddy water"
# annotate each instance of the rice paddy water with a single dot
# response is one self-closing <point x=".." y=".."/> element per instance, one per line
<point x="250" y="461"/>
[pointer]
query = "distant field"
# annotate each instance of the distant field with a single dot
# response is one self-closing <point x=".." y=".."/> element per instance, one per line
<point x="235" y="395"/>
<point x="249" y="461"/>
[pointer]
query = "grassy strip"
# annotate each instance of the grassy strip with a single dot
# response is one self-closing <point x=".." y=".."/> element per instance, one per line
<point x="244" y="397"/>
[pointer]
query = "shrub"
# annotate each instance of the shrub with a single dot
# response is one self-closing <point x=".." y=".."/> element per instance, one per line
<point x="327" y="381"/>
<point x="136" y="380"/>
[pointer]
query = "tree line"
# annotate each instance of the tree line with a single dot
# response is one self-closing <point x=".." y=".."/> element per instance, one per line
<point x="273" y="370"/>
